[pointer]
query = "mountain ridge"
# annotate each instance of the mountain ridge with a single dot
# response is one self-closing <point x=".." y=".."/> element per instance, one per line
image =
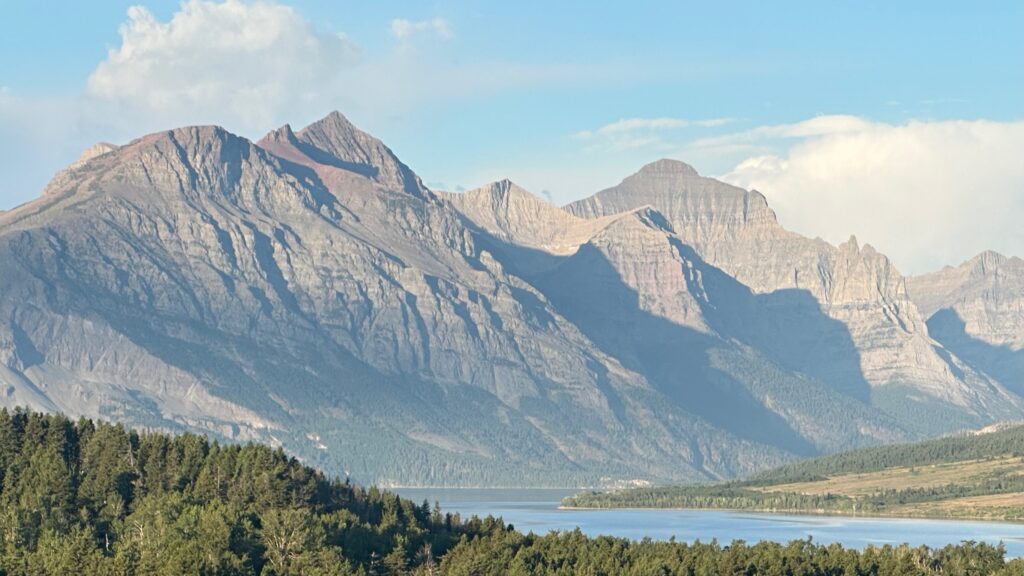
<point x="194" y="280"/>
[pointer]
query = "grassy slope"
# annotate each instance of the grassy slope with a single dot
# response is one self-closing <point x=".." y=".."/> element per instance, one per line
<point x="974" y="476"/>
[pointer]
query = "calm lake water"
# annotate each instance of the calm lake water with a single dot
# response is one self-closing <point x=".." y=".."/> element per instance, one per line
<point x="537" y="511"/>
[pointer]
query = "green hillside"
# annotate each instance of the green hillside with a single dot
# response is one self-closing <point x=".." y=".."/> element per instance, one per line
<point x="969" y="476"/>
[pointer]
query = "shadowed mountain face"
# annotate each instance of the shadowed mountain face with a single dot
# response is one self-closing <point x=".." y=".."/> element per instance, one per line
<point x="735" y="231"/>
<point x="309" y="291"/>
<point x="976" y="310"/>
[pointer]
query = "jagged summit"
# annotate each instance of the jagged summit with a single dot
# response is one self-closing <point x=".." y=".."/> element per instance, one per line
<point x="984" y="278"/>
<point x="502" y="191"/>
<point x="988" y="260"/>
<point x="334" y="141"/>
<point x="503" y="188"/>
<point x="335" y="134"/>
<point x="976" y="310"/>
<point x="282" y="134"/>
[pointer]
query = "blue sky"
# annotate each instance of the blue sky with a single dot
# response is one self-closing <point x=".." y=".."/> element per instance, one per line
<point x="757" y="93"/>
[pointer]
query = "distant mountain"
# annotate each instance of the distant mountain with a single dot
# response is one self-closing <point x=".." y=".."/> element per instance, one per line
<point x="309" y="291"/>
<point x="976" y="310"/>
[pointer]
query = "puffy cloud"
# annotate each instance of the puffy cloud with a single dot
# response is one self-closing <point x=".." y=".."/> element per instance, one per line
<point x="925" y="193"/>
<point x="633" y="133"/>
<point x="253" y="65"/>
<point x="237" y="62"/>
<point x="403" y="28"/>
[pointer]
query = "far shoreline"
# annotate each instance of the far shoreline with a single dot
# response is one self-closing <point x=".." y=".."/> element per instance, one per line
<point x="788" y="512"/>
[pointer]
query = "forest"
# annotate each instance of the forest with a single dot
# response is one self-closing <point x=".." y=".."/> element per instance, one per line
<point x="94" y="498"/>
<point x="939" y="478"/>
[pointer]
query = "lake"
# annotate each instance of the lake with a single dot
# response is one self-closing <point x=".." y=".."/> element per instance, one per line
<point x="537" y="511"/>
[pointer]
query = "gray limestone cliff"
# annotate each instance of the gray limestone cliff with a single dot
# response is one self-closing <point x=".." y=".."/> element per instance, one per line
<point x="977" y="311"/>
<point x="309" y="291"/>
<point x="736" y="231"/>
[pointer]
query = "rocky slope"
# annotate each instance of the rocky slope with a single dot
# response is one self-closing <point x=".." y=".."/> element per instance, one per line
<point x="886" y="353"/>
<point x="309" y="290"/>
<point x="977" y="311"/>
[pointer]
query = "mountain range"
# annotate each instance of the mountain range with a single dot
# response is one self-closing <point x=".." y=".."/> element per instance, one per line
<point x="308" y="290"/>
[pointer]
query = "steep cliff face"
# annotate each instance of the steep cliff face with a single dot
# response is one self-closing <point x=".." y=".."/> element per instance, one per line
<point x="194" y="280"/>
<point x="977" y="311"/>
<point x="736" y="231"/>
<point x="699" y="337"/>
<point x="706" y="342"/>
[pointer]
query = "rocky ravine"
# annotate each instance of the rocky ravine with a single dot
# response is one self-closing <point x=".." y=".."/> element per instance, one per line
<point x="309" y="290"/>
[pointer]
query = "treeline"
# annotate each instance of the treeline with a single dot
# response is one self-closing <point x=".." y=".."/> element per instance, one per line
<point x="1008" y="442"/>
<point x="515" y="554"/>
<point x="94" y="498"/>
<point x="735" y="496"/>
<point x="718" y="496"/>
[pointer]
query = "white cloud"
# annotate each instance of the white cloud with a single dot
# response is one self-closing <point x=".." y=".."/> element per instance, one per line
<point x="924" y="193"/>
<point x="403" y="29"/>
<point x="237" y="62"/>
<point x="633" y="133"/>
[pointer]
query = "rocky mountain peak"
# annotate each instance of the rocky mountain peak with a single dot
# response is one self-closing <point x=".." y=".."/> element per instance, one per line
<point x="335" y="142"/>
<point x="976" y="310"/>
<point x="854" y="248"/>
<point x="198" y="140"/>
<point x="94" y="151"/>
<point x="700" y="209"/>
<point x="334" y="133"/>
<point x="284" y="134"/>
<point x="986" y="263"/>
<point x="507" y="195"/>
<point x="506" y="188"/>
<point x="668" y="166"/>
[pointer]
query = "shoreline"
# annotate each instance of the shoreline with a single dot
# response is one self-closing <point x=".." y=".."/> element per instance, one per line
<point x="482" y="488"/>
<point x="790" y="512"/>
